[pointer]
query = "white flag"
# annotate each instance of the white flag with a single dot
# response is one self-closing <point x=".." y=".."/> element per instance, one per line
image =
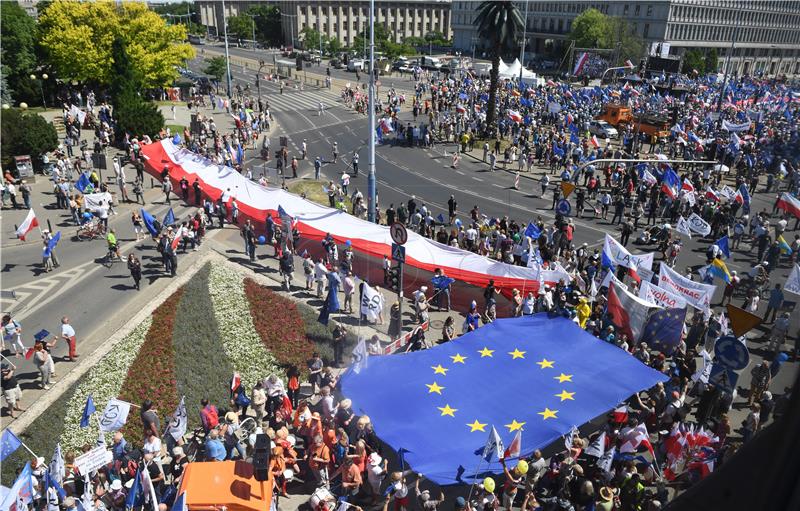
<point x="593" y="290"/>
<point x="360" y="356"/>
<point x="598" y="447"/>
<point x="371" y="303"/>
<point x="704" y="372"/>
<point x="570" y="437"/>
<point x="87" y="499"/>
<point x="493" y="446"/>
<point x="683" y="227"/>
<point x="57" y="467"/>
<point x="793" y="281"/>
<point x="148" y="489"/>
<point x="605" y="461"/>
<point x="177" y="425"/>
<point x="698" y="225"/>
<point x="115" y="415"/>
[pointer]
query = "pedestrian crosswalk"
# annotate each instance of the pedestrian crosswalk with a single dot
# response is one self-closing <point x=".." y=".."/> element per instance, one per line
<point x="307" y="100"/>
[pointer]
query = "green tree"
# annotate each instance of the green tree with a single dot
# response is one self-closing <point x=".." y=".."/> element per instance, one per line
<point x="334" y="45"/>
<point x="694" y="60"/>
<point x="268" y="24"/>
<point x="24" y="133"/>
<point x="77" y="39"/>
<point x="591" y="29"/>
<point x="712" y="61"/>
<point x="133" y="114"/>
<point x="623" y="37"/>
<point x="18" y="42"/>
<point x="216" y="67"/>
<point x="310" y="38"/>
<point x="499" y="27"/>
<point x="241" y="26"/>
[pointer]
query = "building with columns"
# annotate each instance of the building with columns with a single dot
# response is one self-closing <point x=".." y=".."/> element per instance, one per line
<point x="765" y="33"/>
<point x="341" y="19"/>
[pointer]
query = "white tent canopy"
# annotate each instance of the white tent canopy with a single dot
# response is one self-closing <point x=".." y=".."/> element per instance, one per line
<point x="512" y="71"/>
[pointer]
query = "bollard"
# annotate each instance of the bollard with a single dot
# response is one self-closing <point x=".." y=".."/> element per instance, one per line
<point x="49" y="226"/>
<point x="151" y="183"/>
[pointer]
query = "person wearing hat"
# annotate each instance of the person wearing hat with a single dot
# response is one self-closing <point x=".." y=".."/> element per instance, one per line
<point x="399" y="490"/>
<point x="515" y="478"/>
<point x="319" y="456"/>
<point x="607" y="499"/>
<point x="117" y="494"/>
<point x="376" y="472"/>
<point x="424" y="497"/>
<point x="178" y="464"/>
<point x="70" y="503"/>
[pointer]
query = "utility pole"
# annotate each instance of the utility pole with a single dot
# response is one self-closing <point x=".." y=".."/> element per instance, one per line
<point x="371" y="193"/>
<point x="227" y="54"/>
<point x="522" y="49"/>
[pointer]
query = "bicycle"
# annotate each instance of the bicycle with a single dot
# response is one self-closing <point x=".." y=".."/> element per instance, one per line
<point x="111" y="256"/>
<point x="90" y="231"/>
<point x="195" y="449"/>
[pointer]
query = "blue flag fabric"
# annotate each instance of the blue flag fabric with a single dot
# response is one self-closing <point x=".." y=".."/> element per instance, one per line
<point x="440" y="218"/>
<point x="88" y="410"/>
<point x="149" y="222"/>
<point x="448" y="392"/>
<point x="180" y="503"/>
<point x="51" y="244"/>
<point x="169" y="218"/>
<point x="82" y="182"/>
<point x="9" y="443"/>
<point x="532" y="231"/>
<point x="135" y="497"/>
<point x="664" y="329"/>
<point x="724" y="247"/>
<point x="442" y="281"/>
<point x="49" y="482"/>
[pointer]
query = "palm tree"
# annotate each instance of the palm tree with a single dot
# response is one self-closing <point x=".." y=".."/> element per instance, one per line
<point x="499" y="25"/>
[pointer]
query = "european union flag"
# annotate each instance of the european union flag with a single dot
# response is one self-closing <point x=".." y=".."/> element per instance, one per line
<point x="149" y="222"/>
<point x="8" y="444"/>
<point x="722" y="243"/>
<point x="456" y="392"/>
<point x="664" y="329"/>
<point x="169" y="218"/>
<point x="532" y="231"/>
<point x="88" y="410"/>
<point x="82" y="182"/>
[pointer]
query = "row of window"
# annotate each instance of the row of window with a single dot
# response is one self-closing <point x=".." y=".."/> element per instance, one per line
<point x="788" y="18"/>
<point x="380" y="12"/>
<point x="694" y="32"/>
<point x="363" y="26"/>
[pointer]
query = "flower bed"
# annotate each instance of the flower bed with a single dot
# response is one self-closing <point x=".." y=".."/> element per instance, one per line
<point x="152" y="374"/>
<point x="201" y="368"/>
<point x="279" y="324"/>
<point x="103" y="382"/>
<point x="240" y="340"/>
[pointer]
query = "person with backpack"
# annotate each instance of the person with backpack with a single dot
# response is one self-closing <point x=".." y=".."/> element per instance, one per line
<point x="209" y="415"/>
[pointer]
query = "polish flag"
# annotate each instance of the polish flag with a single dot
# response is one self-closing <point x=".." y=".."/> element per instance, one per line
<point x="633" y="438"/>
<point x="705" y="467"/>
<point x="594" y="141"/>
<point x="786" y="202"/>
<point x="29" y="223"/>
<point x="675" y="443"/>
<point x="687" y="186"/>
<point x="703" y="438"/>
<point x="627" y="311"/>
<point x="177" y="240"/>
<point x="620" y="415"/>
<point x="461" y="109"/>
<point x="711" y="194"/>
<point x="514" y="448"/>
<point x="515" y="116"/>
<point x="629" y="64"/>
<point x="236" y="381"/>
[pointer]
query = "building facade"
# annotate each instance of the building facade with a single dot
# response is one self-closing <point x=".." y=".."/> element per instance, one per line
<point x="766" y="32"/>
<point x="341" y="19"/>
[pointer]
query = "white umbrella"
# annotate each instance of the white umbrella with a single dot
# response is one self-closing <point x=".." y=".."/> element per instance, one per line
<point x="721" y="168"/>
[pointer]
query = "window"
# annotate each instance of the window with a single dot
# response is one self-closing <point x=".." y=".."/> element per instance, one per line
<point x="625" y="10"/>
<point x="560" y="25"/>
<point x="324" y="27"/>
<point x="646" y="29"/>
<point x="649" y="10"/>
<point x="636" y="11"/>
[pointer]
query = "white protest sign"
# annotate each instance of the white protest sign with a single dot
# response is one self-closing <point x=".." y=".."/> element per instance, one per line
<point x="371" y="303"/>
<point x="92" y="460"/>
<point x="620" y="255"/>
<point x="698" y="225"/>
<point x="793" y="281"/>
<point x="696" y="294"/>
<point x="96" y="201"/>
<point x="683" y="227"/>
<point x="658" y="296"/>
<point x="115" y="415"/>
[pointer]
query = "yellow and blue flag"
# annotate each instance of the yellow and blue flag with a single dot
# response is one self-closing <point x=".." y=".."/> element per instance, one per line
<point x="664" y="329"/>
<point x="534" y="374"/>
<point x="718" y="269"/>
<point x="785" y="248"/>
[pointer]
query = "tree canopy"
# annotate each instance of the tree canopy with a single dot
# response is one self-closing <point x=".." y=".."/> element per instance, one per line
<point x="133" y="114"/>
<point x="241" y="26"/>
<point x="268" y="24"/>
<point x="593" y="29"/>
<point x="78" y="36"/>
<point x="26" y="133"/>
<point x="216" y="67"/>
<point x="18" y="42"/>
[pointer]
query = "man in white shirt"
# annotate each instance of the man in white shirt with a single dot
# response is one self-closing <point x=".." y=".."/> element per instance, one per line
<point x="320" y="273"/>
<point x="68" y="334"/>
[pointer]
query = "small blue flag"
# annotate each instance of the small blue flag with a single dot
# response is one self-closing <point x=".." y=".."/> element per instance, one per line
<point x="149" y="222"/>
<point x="169" y="218"/>
<point x="135" y="497"/>
<point x="50" y="482"/>
<point x="664" y="329"/>
<point x="722" y="243"/>
<point x="532" y="231"/>
<point x="88" y="410"/>
<point x="9" y="443"/>
<point x="440" y="218"/>
<point x="180" y="503"/>
<point x="442" y="281"/>
<point x="82" y="182"/>
<point x="606" y="261"/>
<point x="51" y="244"/>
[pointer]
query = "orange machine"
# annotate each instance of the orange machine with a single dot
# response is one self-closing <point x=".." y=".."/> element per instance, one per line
<point x="618" y="115"/>
<point x="213" y="484"/>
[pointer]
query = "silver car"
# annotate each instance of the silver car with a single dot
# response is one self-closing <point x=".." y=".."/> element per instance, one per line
<point x="603" y="130"/>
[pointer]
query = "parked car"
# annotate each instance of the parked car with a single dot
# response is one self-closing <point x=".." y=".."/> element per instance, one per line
<point x="603" y="129"/>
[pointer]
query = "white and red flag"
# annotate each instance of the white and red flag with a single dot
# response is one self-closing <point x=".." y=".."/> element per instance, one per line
<point x="235" y="382"/>
<point x="627" y="311"/>
<point x="27" y="225"/>
<point x="514" y="448"/>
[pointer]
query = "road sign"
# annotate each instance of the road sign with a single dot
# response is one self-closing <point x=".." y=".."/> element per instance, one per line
<point x="399" y="233"/>
<point x="564" y="208"/>
<point x="723" y="377"/>
<point x="398" y="253"/>
<point x="731" y="352"/>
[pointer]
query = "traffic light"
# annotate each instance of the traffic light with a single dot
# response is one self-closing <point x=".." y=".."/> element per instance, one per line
<point x="394" y="278"/>
<point x="299" y="63"/>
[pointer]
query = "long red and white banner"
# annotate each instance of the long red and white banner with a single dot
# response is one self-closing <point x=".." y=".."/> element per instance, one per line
<point x="315" y="221"/>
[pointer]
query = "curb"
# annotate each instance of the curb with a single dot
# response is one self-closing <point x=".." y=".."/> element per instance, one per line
<point x="56" y="391"/>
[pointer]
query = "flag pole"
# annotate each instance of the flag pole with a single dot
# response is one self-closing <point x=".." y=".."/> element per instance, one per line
<point x="478" y="466"/>
<point x="23" y="444"/>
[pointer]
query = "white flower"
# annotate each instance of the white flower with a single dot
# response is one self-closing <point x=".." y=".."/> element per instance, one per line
<point x="242" y="343"/>
<point x="103" y="382"/>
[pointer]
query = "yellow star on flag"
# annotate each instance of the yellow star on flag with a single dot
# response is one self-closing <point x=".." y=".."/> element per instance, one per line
<point x="517" y="353"/>
<point x="439" y="370"/>
<point x="477" y="426"/>
<point x="447" y="410"/>
<point x="545" y="363"/>
<point x="434" y="387"/>
<point x="548" y="414"/>
<point x="514" y="426"/>
<point x="458" y="358"/>
<point x="564" y="395"/>
<point x="486" y="352"/>
<point x="563" y="377"/>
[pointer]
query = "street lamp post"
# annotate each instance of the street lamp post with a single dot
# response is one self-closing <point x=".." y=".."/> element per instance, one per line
<point x="227" y="54"/>
<point x="261" y="64"/>
<point x="41" y="86"/>
<point x="371" y="192"/>
<point x="522" y="49"/>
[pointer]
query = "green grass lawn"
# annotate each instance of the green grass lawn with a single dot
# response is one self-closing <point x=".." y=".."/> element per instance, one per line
<point x="313" y="191"/>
